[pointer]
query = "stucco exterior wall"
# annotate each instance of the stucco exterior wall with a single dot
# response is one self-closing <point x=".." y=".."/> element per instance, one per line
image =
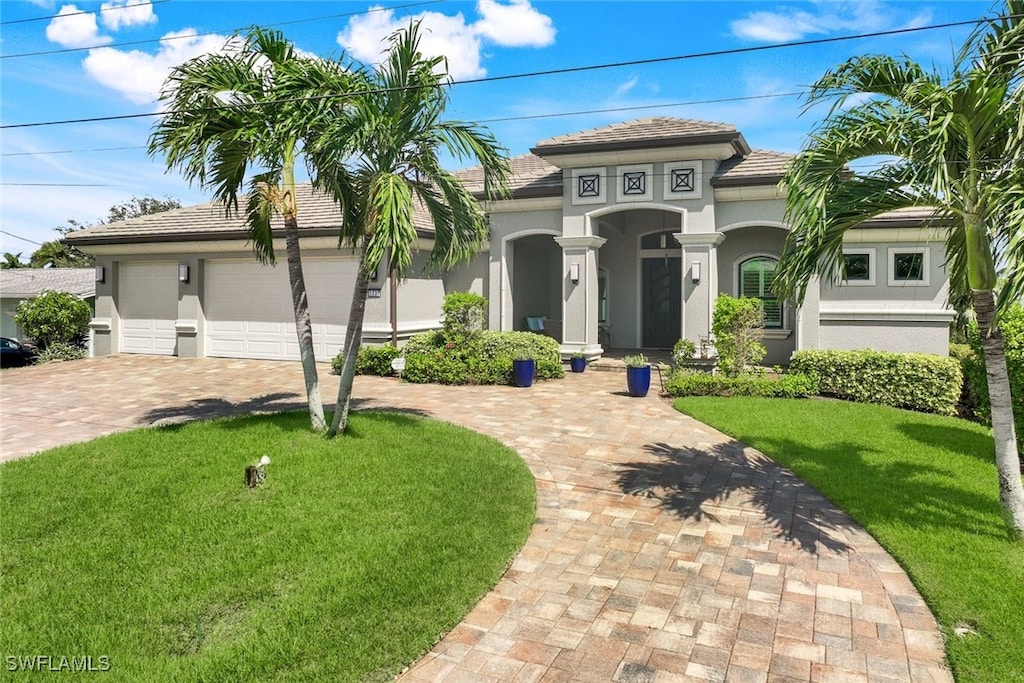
<point x="888" y="335"/>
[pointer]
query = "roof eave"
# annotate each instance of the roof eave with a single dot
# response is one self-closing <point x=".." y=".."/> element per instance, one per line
<point x="732" y="137"/>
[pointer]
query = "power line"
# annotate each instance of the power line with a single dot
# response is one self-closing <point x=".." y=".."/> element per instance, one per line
<point x="213" y="33"/>
<point x="559" y="71"/>
<point x="23" y="239"/>
<point x="71" y="14"/>
<point x="56" y="185"/>
<point x="72" y="151"/>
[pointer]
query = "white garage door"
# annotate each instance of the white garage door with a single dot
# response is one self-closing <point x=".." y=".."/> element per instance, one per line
<point x="148" y="306"/>
<point x="249" y="310"/>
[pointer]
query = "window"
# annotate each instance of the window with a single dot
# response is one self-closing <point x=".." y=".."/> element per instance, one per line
<point x="602" y="295"/>
<point x="858" y="267"/>
<point x="659" y="240"/>
<point x="908" y="266"/>
<point x="756" y="277"/>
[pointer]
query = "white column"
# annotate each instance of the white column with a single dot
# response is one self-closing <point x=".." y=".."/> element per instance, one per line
<point x="579" y="298"/>
<point x="700" y="256"/>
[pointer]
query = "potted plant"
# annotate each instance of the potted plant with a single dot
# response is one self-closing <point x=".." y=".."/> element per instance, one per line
<point x="523" y="370"/>
<point x="638" y="375"/>
<point x="578" y="361"/>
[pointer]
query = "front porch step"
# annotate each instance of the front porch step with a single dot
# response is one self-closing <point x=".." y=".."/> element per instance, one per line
<point x="616" y="365"/>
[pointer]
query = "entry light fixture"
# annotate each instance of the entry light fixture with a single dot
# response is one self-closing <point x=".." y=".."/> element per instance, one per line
<point x="101" y="274"/>
<point x="695" y="271"/>
<point x="574" y="273"/>
<point x="182" y="272"/>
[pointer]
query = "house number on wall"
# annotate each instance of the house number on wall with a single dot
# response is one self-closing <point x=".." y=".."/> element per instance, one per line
<point x="373" y="293"/>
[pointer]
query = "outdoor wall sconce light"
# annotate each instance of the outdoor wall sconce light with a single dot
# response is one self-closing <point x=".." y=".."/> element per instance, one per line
<point x="574" y="273"/>
<point x="101" y="274"/>
<point x="182" y="272"/>
<point x="695" y="271"/>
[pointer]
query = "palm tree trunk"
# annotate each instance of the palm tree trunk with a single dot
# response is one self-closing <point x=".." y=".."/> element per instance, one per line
<point x="353" y="338"/>
<point x="303" y="324"/>
<point x="1011" y="491"/>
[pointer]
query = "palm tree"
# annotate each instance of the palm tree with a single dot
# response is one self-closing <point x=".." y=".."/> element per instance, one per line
<point x="389" y="146"/>
<point x="957" y="145"/>
<point x="244" y="112"/>
<point x="12" y="261"/>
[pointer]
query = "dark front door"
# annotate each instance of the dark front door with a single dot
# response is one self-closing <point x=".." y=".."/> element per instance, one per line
<point x="662" y="301"/>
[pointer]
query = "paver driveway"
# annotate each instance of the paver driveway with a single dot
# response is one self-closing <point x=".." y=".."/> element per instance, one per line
<point x="662" y="550"/>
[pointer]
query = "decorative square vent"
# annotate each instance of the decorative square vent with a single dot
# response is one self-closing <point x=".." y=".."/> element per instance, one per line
<point x="682" y="180"/>
<point x="589" y="185"/>
<point x="634" y="183"/>
<point x="586" y="186"/>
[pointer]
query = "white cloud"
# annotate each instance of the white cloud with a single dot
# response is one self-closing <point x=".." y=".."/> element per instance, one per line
<point x="138" y="75"/>
<point x="516" y="24"/>
<point x="73" y="28"/>
<point x="789" y="24"/>
<point x="116" y="15"/>
<point x="626" y="87"/>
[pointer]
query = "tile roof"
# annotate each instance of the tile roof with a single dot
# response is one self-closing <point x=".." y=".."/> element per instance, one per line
<point x="760" y="167"/>
<point x="26" y="283"/>
<point x="317" y="215"/>
<point x="658" y="131"/>
<point x="531" y="177"/>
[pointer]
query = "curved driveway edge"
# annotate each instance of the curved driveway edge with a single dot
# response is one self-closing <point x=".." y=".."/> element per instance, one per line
<point x="662" y="550"/>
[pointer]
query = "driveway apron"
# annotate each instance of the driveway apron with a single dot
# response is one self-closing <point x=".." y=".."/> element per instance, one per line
<point x="662" y="549"/>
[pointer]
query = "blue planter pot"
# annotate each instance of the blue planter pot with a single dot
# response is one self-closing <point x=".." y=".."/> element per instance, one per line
<point x="638" y="380"/>
<point x="578" y="364"/>
<point x="523" y="372"/>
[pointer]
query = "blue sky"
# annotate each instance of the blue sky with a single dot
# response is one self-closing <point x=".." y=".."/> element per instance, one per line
<point x="42" y="190"/>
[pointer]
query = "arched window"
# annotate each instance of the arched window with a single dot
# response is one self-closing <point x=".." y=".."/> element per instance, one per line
<point x="756" y="277"/>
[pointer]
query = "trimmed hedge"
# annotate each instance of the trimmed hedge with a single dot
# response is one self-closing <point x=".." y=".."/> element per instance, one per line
<point x="916" y="381"/>
<point x="371" y="360"/>
<point x="792" y="385"/>
<point x="483" y="358"/>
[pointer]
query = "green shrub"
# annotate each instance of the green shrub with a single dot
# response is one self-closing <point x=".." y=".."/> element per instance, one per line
<point x="792" y="385"/>
<point x="684" y="349"/>
<point x="54" y="317"/>
<point x="464" y="314"/>
<point x="1011" y="324"/>
<point x="61" y="351"/>
<point x="917" y="381"/>
<point x="738" y="327"/>
<point x="483" y="358"/>
<point x="371" y="360"/>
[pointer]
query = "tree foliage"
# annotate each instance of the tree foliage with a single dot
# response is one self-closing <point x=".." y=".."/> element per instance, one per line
<point x="386" y="144"/>
<point x="955" y="143"/>
<point x="738" y="328"/>
<point x="240" y="120"/>
<point x="54" y="318"/>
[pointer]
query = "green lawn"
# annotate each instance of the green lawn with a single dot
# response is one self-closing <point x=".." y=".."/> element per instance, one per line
<point x="925" y="487"/>
<point x="353" y="558"/>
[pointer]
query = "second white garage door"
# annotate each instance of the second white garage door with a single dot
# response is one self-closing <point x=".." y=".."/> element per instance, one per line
<point x="249" y="310"/>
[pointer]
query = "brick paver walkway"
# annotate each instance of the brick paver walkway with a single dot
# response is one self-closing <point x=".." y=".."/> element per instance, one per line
<point x="662" y="550"/>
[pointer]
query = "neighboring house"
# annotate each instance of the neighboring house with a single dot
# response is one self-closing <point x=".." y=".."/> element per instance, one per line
<point x="621" y="236"/>
<point x="18" y="284"/>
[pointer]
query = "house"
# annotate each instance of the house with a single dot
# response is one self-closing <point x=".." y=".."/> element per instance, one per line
<point x="18" y="284"/>
<point x="622" y="236"/>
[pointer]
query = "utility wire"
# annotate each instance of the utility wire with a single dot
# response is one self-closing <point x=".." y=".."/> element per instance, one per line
<point x="71" y="14"/>
<point x="23" y="239"/>
<point x="548" y="72"/>
<point x="214" y="33"/>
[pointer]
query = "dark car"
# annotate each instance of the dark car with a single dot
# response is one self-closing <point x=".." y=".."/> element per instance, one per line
<point x="14" y="354"/>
